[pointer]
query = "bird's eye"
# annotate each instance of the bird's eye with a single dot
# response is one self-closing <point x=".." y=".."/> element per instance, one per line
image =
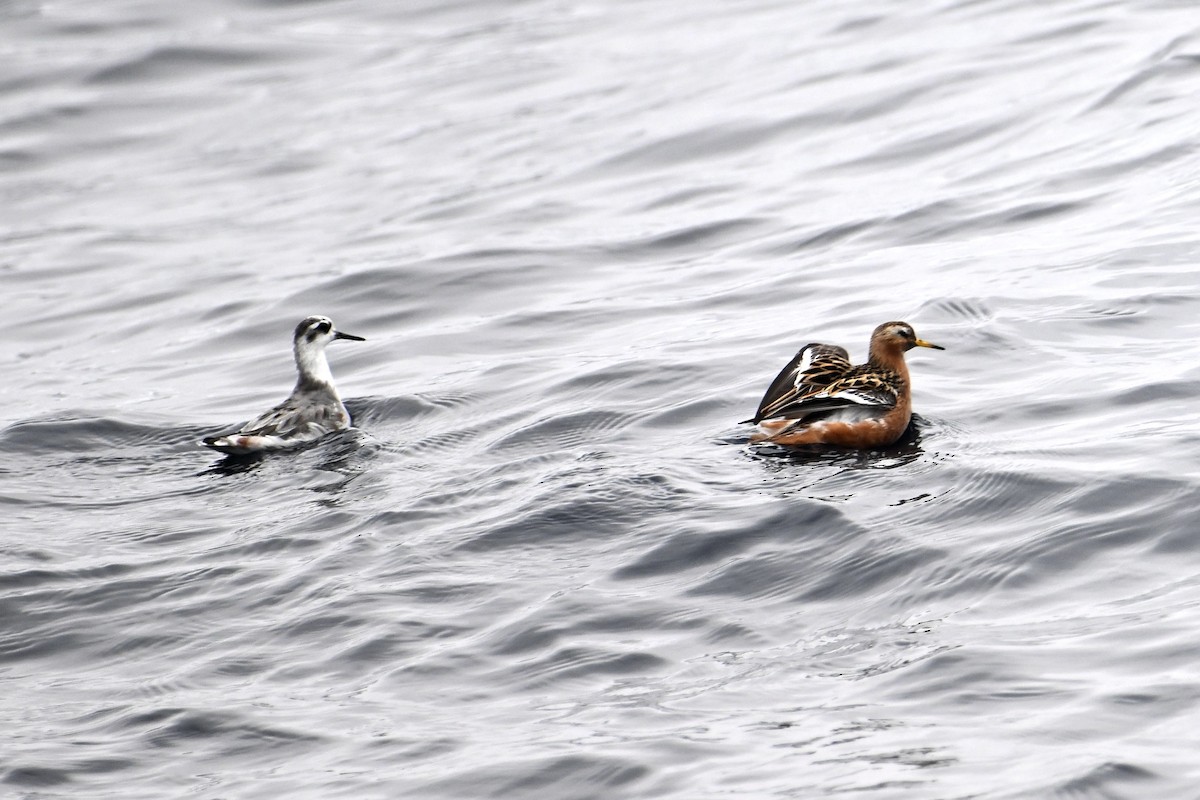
<point x="324" y="327"/>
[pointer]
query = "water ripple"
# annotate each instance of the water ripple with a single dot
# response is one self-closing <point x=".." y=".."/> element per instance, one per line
<point x="547" y="562"/>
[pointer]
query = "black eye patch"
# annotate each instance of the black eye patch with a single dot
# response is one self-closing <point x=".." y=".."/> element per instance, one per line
<point x="316" y="330"/>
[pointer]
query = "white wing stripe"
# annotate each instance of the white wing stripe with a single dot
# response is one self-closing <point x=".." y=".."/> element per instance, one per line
<point x="806" y="357"/>
<point x="856" y="396"/>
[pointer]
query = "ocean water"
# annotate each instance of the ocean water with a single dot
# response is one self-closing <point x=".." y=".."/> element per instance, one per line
<point x="581" y="238"/>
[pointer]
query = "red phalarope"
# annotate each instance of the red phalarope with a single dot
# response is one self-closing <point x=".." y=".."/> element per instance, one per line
<point x="314" y="407"/>
<point x="821" y="398"/>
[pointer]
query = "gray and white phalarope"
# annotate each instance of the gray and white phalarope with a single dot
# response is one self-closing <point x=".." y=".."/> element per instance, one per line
<point x="314" y="408"/>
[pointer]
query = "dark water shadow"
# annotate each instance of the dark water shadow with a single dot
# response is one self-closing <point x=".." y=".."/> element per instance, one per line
<point x="905" y="450"/>
<point x="340" y="454"/>
<point x="230" y="465"/>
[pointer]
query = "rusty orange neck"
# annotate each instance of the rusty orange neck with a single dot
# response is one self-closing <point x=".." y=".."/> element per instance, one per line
<point x="889" y="356"/>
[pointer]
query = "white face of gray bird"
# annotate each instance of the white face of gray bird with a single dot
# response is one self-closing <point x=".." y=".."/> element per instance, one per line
<point x="317" y="331"/>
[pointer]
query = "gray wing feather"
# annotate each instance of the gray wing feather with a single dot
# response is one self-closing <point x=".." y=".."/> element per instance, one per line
<point x="294" y="416"/>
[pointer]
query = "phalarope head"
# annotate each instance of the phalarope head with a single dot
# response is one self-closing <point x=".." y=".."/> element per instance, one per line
<point x="312" y="334"/>
<point x="318" y="331"/>
<point x="898" y="336"/>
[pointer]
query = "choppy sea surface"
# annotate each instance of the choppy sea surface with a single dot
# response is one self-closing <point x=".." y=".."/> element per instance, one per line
<point x="580" y="239"/>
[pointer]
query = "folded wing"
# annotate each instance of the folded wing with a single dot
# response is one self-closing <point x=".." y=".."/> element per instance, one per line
<point x="291" y="418"/>
<point x="815" y="367"/>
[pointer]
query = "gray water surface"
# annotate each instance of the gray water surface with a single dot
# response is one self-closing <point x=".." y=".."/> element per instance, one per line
<point x="581" y="239"/>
